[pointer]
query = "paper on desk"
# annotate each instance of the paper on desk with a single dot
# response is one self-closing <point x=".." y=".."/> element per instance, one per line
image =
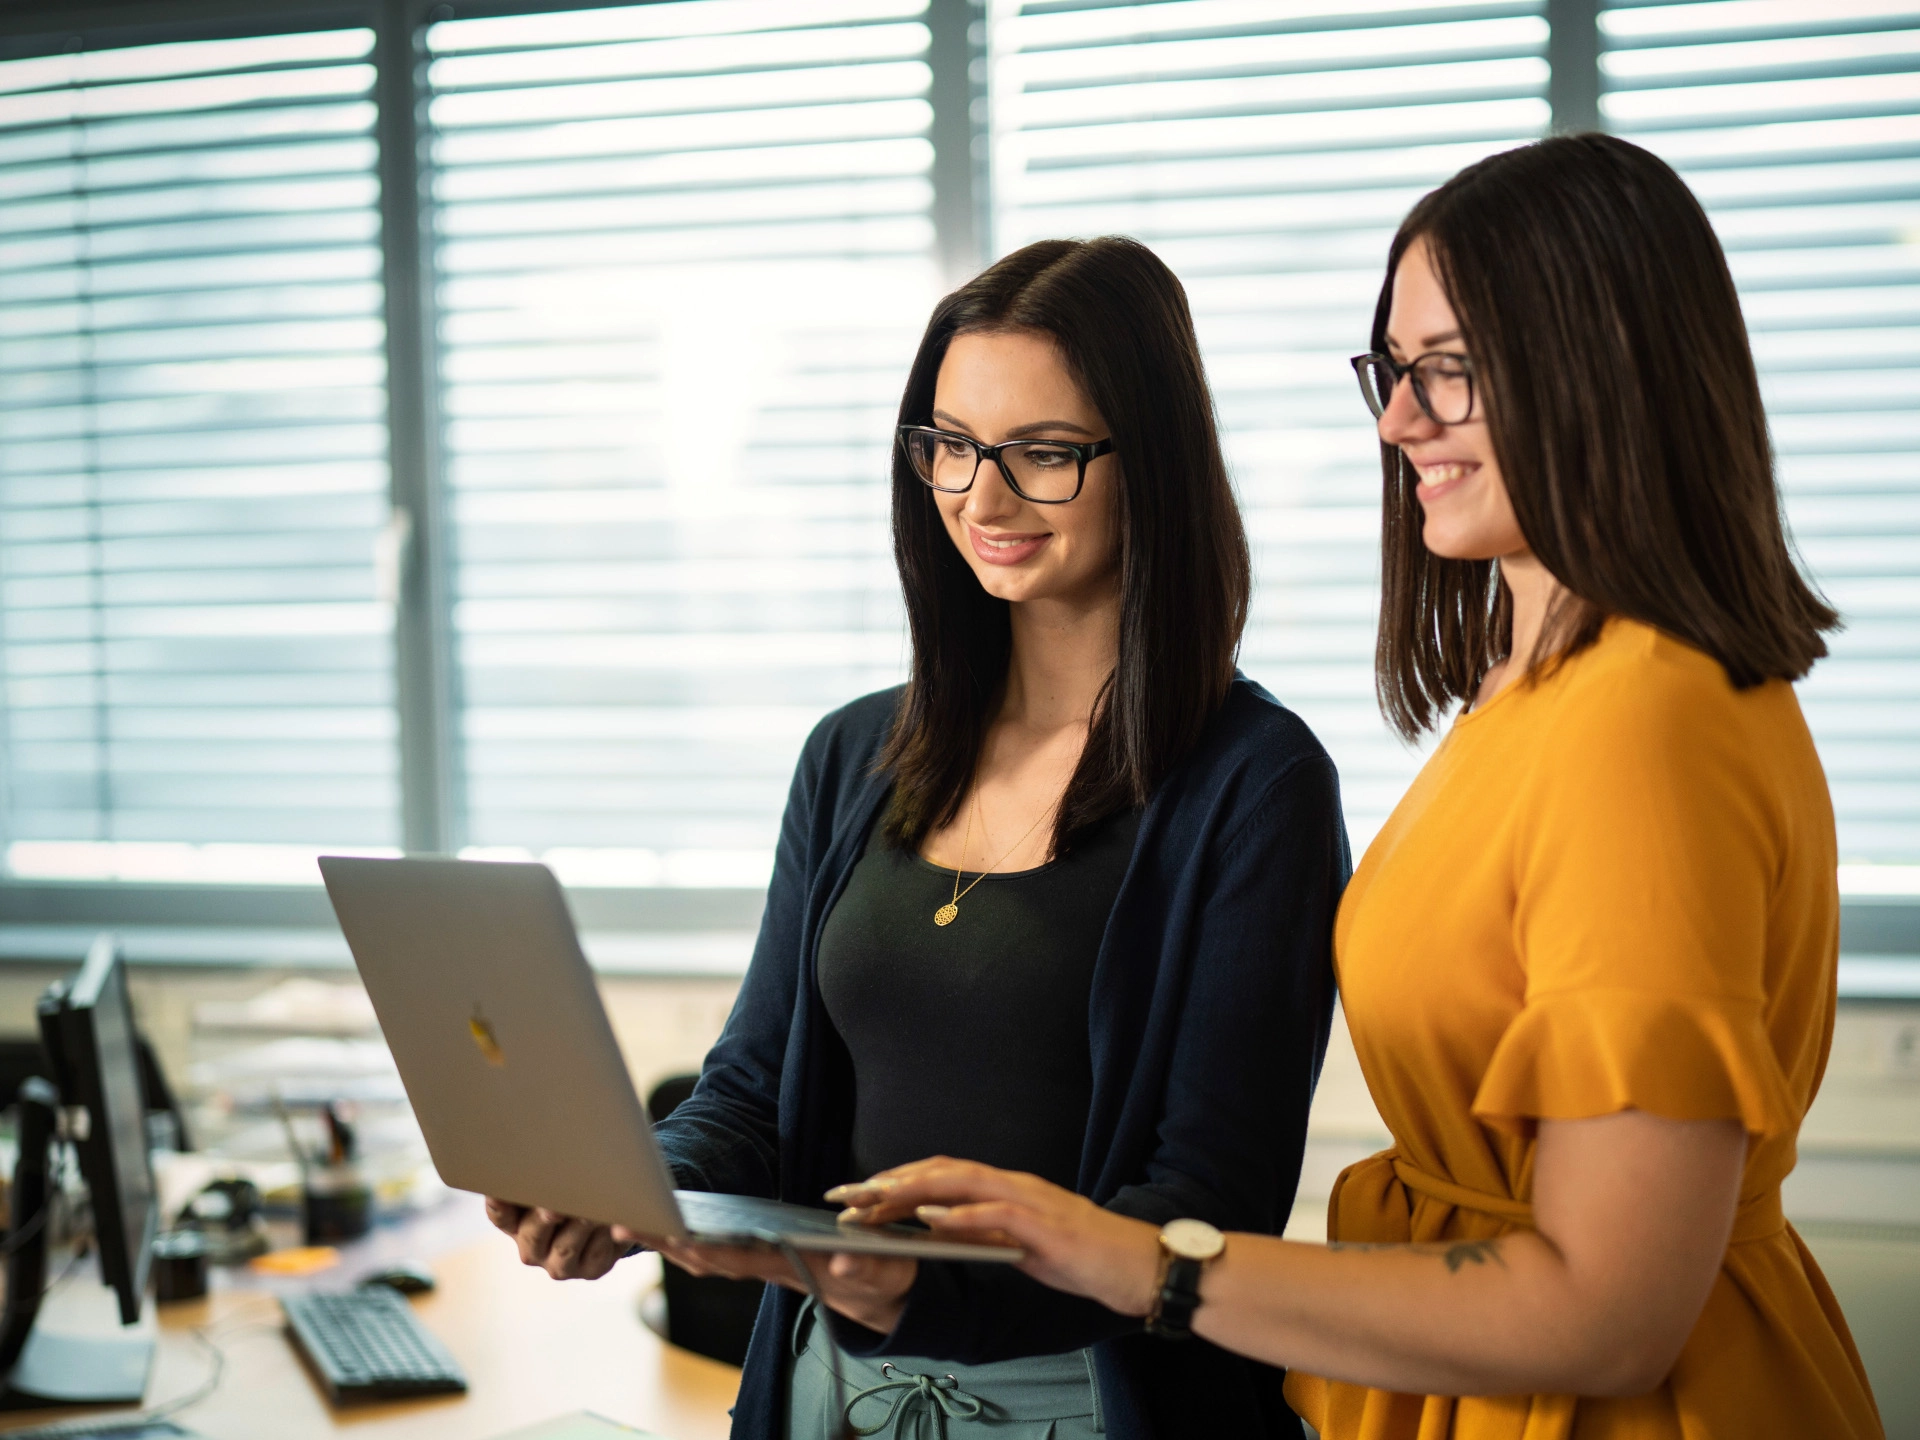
<point x="178" y="1177"/>
<point x="581" y="1425"/>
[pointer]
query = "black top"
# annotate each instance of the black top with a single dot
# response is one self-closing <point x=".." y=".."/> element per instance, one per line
<point x="1211" y="999"/>
<point x="971" y="1039"/>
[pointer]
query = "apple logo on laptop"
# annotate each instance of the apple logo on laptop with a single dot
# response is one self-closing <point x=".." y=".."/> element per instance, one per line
<point x="484" y="1039"/>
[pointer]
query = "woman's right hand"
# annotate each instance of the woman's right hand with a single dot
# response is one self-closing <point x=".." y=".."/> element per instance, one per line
<point x="566" y="1248"/>
<point x="1072" y="1244"/>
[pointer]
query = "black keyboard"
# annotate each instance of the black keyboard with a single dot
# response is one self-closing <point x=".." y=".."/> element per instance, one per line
<point x="110" y="1427"/>
<point x="368" y="1346"/>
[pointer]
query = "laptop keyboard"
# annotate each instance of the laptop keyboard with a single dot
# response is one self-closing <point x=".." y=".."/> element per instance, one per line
<point x="749" y="1215"/>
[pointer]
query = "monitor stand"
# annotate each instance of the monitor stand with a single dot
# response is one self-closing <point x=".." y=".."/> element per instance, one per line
<point x="78" y="1370"/>
<point x="43" y="1368"/>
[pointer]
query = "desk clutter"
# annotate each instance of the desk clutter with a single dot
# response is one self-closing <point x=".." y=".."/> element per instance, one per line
<point x="264" y="1235"/>
<point x="96" y="1174"/>
<point x="532" y="1350"/>
<point x="296" y="1093"/>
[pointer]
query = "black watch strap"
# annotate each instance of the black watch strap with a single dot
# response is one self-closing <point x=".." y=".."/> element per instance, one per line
<point x="1172" y="1317"/>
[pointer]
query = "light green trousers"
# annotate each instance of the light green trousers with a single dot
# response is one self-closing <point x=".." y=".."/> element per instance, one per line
<point x="1045" y="1397"/>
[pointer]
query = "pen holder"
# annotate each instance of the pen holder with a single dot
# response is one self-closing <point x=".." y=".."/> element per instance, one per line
<point x="336" y="1203"/>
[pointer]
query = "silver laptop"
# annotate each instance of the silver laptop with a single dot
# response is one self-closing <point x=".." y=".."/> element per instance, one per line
<point x="495" y="1022"/>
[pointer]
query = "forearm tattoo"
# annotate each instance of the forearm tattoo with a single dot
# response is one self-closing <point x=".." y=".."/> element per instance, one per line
<point x="1476" y="1251"/>
<point x="1455" y="1253"/>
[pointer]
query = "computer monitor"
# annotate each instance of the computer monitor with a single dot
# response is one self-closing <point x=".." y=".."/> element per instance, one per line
<point x="86" y="1027"/>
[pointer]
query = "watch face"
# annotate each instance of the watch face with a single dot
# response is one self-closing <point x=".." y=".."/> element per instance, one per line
<point x="1192" y="1239"/>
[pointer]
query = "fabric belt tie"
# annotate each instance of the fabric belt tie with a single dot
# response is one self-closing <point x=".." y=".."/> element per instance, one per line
<point x="1756" y="1219"/>
<point x="923" y="1402"/>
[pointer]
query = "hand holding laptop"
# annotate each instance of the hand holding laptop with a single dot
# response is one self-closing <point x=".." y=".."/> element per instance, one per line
<point x="567" y="1249"/>
<point x="869" y="1290"/>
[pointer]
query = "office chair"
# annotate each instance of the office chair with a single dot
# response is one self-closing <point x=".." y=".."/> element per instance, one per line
<point x="707" y="1314"/>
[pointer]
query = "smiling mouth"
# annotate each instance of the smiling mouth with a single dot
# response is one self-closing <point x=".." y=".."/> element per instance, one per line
<point x="1006" y="549"/>
<point x="1442" y="476"/>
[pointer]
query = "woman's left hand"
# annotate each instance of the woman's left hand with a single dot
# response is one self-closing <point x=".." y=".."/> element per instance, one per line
<point x="1072" y="1244"/>
<point x="870" y="1290"/>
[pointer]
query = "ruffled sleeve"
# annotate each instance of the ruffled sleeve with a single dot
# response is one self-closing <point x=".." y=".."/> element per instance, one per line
<point x="1571" y="1055"/>
<point x="1644" y="876"/>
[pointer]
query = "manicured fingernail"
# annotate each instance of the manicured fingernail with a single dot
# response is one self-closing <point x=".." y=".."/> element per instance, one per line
<point x="933" y="1212"/>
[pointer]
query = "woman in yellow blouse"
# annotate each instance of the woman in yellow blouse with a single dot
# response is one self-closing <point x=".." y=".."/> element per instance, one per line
<point x="1589" y="962"/>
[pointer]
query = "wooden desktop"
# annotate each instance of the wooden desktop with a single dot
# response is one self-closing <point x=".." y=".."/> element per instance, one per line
<point x="533" y="1349"/>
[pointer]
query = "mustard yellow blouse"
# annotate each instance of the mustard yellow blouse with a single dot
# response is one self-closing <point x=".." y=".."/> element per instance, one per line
<point x="1610" y="889"/>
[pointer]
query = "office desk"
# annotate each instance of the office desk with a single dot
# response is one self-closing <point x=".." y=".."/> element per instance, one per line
<point x="533" y="1348"/>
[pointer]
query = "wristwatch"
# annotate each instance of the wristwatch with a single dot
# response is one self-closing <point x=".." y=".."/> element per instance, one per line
<point x="1185" y="1248"/>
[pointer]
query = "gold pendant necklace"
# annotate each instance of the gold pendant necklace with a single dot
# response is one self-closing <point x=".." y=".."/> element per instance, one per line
<point x="950" y="911"/>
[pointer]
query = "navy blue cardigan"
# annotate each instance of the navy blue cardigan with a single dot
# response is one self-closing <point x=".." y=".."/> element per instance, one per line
<point x="1212" y="995"/>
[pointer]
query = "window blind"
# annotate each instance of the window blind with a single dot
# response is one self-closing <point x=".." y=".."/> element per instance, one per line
<point x="197" y="671"/>
<point x="1797" y="123"/>
<point x="685" y="251"/>
<point x="1267" y="149"/>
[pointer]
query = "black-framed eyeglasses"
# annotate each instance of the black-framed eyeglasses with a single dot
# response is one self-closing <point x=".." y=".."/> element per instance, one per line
<point x="1046" y="472"/>
<point x="1442" y="384"/>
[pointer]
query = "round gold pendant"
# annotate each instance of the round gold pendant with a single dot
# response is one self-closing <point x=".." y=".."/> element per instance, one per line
<point x="945" y="914"/>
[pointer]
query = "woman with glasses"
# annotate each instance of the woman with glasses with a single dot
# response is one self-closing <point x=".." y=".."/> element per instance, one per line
<point x="1062" y="904"/>
<point x="1589" y="962"/>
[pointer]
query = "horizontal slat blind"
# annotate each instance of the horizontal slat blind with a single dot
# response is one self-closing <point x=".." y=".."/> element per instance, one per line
<point x="197" y="670"/>
<point x="685" y="253"/>
<point x="1267" y="149"/>
<point x="1797" y="122"/>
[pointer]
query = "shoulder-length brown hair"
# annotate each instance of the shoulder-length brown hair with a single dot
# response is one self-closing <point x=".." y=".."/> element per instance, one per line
<point x="1120" y="319"/>
<point x="1619" y="388"/>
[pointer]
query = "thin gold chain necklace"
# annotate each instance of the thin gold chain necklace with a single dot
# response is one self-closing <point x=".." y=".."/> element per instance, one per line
<point x="950" y="911"/>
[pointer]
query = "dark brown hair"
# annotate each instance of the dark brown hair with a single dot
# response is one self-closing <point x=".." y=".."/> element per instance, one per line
<point x="1121" y="322"/>
<point x="1613" y="366"/>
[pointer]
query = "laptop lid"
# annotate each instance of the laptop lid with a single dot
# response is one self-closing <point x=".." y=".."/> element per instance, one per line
<point x="497" y="1027"/>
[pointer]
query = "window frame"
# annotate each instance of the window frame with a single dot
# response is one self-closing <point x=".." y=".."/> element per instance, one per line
<point x="285" y="925"/>
<point x="45" y="921"/>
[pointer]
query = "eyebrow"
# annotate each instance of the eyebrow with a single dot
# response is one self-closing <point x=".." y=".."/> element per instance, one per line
<point x="1018" y="432"/>
<point x="1426" y="344"/>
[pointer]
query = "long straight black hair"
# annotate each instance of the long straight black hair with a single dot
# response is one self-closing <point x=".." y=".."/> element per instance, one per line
<point x="1120" y="320"/>
<point x="1613" y="366"/>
